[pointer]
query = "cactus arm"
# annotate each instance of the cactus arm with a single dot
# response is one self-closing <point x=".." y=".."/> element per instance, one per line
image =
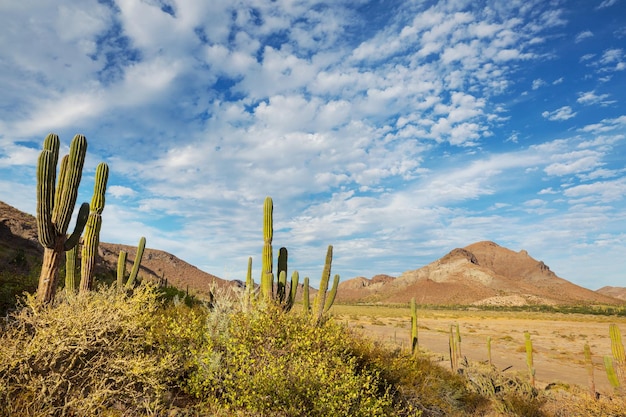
<point x="92" y="229"/>
<point x="133" y="273"/>
<point x="81" y="221"/>
<point x="46" y="166"/>
<point x="282" y="266"/>
<point x="71" y="177"/>
<point x="281" y="287"/>
<point x="121" y="269"/>
<point x="610" y="372"/>
<point x="330" y="298"/>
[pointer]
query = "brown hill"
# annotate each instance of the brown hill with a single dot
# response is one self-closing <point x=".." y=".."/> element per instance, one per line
<point x="615" y="292"/>
<point x="483" y="273"/>
<point x="18" y="238"/>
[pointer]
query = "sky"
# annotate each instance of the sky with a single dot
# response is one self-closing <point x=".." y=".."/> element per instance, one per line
<point x="395" y="131"/>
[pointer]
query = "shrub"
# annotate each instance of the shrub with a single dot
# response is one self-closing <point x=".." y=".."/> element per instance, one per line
<point x="91" y="353"/>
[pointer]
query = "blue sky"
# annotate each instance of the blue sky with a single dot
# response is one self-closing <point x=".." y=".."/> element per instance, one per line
<point x="395" y="131"/>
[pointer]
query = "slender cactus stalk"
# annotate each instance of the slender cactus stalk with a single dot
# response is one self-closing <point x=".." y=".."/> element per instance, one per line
<point x="267" y="275"/>
<point x="92" y="229"/>
<point x="610" y="373"/>
<point x="590" y="373"/>
<point x="529" y="358"/>
<point x="133" y="273"/>
<point x="414" y="342"/>
<point x="306" y="304"/>
<point x="320" y="298"/>
<point x="489" y="350"/>
<point x="121" y="269"/>
<point x="617" y="348"/>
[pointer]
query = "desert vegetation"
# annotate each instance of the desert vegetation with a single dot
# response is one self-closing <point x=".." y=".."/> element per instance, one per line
<point x="127" y="346"/>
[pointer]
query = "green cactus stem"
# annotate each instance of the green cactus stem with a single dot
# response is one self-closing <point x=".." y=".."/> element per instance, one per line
<point x="529" y="358"/>
<point x="70" y="269"/>
<point x="458" y="342"/>
<point x="306" y="304"/>
<point x="590" y="373"/>
<point x="330" y="298"/>
<point x="453" y="348"/>
<point x="92" y="229"/>
<point x="617" y="348"/>
<point x="281" y="286"/>
<point x="293" y="290"/>
<point x="121" y="269"/>
<point x="133" y="272"/>
<point x="267" y="275"/>
<point x="610" y="372"/>
<point x="249" y="281"/>
<point x="489" y="350"/>
<point x="55" y="207"/>
<point x="320" y="298"/>
<point x="414" y="345"/>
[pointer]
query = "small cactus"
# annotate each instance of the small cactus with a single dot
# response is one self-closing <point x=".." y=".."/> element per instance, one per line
<point x="306" y="303"/>
<point x="590" y="374"/>
<point x="70" y="269"/>
<point x="529" y="358"/>
<point x="320" y="298"/>
<point x="267" y="275"/>
<point x="133" y="273"/>
<point x="121" y="269"/>
<point x="414" y="345"/>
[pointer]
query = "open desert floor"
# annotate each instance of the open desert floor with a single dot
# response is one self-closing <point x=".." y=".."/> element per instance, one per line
<point x="558" y="339"/>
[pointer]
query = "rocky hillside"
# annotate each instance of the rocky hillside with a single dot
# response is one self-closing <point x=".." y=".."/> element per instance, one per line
<point x="615" y="292"/>
<point x="483" y="273"/>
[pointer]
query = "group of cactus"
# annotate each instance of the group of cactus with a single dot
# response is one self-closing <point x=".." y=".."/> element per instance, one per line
<point x="56" y="199"/>
<point x="279" y="291"/>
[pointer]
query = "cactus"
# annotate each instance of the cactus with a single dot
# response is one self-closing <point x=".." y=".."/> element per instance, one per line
<point x="267" y="276"/>
<point x="489" y="350"/>
<point x="249" y="282"/>
<point x="55" y="207"/>
<point x="320" y="298"/>
<point x="529" y="358"/>
<point x="617" y="348"/>
<point x="610" y="372"/>
<point x="589" y="363"/>
<point x="293" y="290"/>
<point x="92" y="229"/>
<point x="121" y="269"/>
<point x="133" y="273"/>
<point x="281" y="285"/>
<point x="454" y="349"/>
<point x="458" y="342"/>
<point x="306" y="304"/>
<point x="70" y="269"/>
<point x="414" y="345"/>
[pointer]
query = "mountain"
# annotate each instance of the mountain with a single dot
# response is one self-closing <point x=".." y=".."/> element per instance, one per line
<point x="482" y="273"/>
<point x="615" y="292"/>
<point x="18" y="241"/>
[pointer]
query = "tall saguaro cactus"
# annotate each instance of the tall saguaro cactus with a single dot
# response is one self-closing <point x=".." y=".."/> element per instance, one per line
<point x="92" y="229"/>
<point x="320" y="298"/>
<point x="55" y="207"/>
<point x="267" y="275"/>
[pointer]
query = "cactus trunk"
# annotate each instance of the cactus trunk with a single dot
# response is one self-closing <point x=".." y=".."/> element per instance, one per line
<point x="414" y="345"/>
<point x="267" y="275"/>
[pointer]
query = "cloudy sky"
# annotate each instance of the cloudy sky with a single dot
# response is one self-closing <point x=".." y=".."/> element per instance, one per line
<point x="394" y="130"/>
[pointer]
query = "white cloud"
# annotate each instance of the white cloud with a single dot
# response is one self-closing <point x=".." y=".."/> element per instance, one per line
<point x="560" y="114"/>
<point x="583" y="35"/>
<point x="590" y="97"/>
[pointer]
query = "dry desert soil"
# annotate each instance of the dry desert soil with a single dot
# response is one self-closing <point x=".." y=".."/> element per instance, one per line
<point x="558" y="339"/>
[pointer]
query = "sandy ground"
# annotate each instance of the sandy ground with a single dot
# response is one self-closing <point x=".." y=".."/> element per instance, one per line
<point x="558" y="340"/>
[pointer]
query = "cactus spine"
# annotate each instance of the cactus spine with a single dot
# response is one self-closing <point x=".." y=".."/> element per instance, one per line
<point x="133" y="272"/>
<point x="121" y="269"/>
<point x="414" y="345"/>
<point x="529" y="358"/>
<point x="55" y="207"/>
<point x="92" y="229"/>
<point x="267" y="276"/>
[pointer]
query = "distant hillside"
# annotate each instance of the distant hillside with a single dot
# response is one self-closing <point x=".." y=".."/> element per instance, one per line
<point x="18" y="235"/>
<point x="615" y="292"/>
<point x="482" y="273"/>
